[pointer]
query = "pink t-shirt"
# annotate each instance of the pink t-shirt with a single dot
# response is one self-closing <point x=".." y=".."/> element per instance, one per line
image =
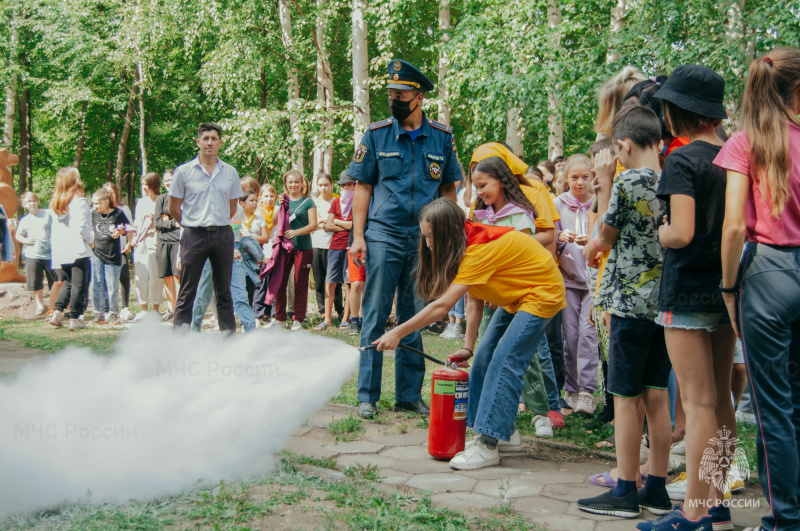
<point x="761" y="226"/>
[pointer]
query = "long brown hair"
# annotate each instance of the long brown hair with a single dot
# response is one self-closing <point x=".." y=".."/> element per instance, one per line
<point x="68" y="185"/>
<point x="611" y="95"/>
<point x="437" y="268"/>
<point x="116" y="200"/>
<point x="767" y="109"/>
<point x="497" y="168"/>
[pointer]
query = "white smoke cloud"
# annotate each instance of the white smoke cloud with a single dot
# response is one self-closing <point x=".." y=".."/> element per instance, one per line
<point x="160" y="414"/>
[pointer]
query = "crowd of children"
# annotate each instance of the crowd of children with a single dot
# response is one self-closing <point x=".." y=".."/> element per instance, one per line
<point x="630" y="262"/>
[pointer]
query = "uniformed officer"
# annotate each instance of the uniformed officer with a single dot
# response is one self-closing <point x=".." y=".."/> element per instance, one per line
<point x="402" y="164"/>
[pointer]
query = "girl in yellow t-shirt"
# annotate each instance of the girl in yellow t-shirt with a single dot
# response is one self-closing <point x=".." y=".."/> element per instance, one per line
<point x="506" y="268"/>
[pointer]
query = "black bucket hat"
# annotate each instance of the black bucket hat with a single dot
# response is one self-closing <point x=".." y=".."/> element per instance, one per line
<point x="697" y="89"/>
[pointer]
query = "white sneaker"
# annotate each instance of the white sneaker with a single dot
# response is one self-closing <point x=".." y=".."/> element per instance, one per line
<point x="76" y="324"/>
<point x="585" y="403"/>
<point x="678" y="448"/>
<point x="514" y="444"/>
<point x="126" y="314"/>
<point x="458" y="333"/>
<point x="57" y="319"/>
<point x="677" y="489"/>
<point x="571" y="399"/>
<point x="544" y="426"/>
<point x="276" y="324"/>
<point x="296" y="325"/>
<point x="448" y="332"/>
<point x="476" y="456"/>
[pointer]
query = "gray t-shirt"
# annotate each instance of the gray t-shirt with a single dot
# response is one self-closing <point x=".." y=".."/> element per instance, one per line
<point x="37" y="227"/>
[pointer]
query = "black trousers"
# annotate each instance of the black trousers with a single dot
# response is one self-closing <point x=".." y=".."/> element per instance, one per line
<point x="319" y="266"/>
<point x="125" y="282"/>
<point x="197" y="246"/>
<point x="75" y="290"/>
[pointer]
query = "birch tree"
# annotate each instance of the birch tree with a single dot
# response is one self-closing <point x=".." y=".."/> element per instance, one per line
<point x="11" y="87"/>
<point x="294" y="103"/>
<point x="444" y="28"/>
<point x="360" y="72"/>
<point x="555" y="139"/>
<point x="323" y="144"/>
<point x="616" y="27"/>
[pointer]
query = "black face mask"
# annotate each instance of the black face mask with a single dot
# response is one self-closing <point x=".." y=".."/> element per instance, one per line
<point x="401" y="109"/>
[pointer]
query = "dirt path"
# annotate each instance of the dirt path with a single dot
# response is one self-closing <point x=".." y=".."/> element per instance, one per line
<point x="14" y="356"/>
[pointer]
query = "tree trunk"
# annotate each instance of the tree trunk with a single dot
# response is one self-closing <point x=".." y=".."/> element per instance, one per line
<point x="514" y="131"/>
<point x="323" y="144"/>
<point x="294" y="86"/>
<point x="444" y="61"/>
<point x="76" y="162"/>
<point x="111" y="159"/>
<point x="360" y="71"/>
<point x="555" y="139"/>
<point x="24" y="146"/>
<point x="735" y="32"/>
<point x="617" y="25"/>
<point x="11" y="88"/>
<point x="263" y="103"/>
<point x="139" y="79"/>
<point x="123" y="141"/>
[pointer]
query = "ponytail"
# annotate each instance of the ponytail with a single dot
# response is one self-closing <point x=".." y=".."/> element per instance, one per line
<point x="767" y="109"/>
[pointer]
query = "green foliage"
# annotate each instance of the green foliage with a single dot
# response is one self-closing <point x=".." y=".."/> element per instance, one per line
<point x="226" y="61"/>
<point x="369" y="472"/>
<point x="348" y="428"/>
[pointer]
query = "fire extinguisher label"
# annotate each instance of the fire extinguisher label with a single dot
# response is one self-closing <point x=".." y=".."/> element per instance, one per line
<point x="444" y="387"/>
<point x="460" y="404"/>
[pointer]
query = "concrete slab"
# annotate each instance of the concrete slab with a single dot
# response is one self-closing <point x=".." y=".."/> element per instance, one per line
<point x="302" y="430"/>
<point x="412" y="438"/>
<point x="321" y="419"/>
<point x="565" y="522"/>
<point x="492" y="472"/>
<point x="526" y="463"/>
<point x="365" y="460"/>
<point x="393" y="477"/>
<point x="465" y="501"/>
<point x="355" y="447"/>
<point x="309" y="447"/>
<point x="537" y="506"/>
<point x="441" y="482"/>
<point x="422" y="466"/>
<point x="618" y="524"/>
<point x="509" y="488"/>
<point x="571" y="492"/>
<point x="552" y="477"/>
<point x="407" y="452"/>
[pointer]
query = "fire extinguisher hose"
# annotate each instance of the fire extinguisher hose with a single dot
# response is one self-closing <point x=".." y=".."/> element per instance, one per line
<point x="412" y="349"/>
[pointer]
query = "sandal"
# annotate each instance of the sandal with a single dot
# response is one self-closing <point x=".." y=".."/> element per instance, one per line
<point x="344" y="325"/>
<point x="607" y="443"/>
<point x="608" y="481"/>
<point x="321" y="326"/>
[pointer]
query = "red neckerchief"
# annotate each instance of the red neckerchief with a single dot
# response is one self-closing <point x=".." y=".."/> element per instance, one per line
<point x="478" y="233"/>
<point x="676" y="143"/>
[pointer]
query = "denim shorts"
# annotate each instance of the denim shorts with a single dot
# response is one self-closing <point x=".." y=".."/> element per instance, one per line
<point x="693" y="320"/>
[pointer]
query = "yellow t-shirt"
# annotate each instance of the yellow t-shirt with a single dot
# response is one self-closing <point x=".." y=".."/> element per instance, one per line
<point x="544" y="194"/>
<point x="604" y="254"/>
<point x="514" y="272"/>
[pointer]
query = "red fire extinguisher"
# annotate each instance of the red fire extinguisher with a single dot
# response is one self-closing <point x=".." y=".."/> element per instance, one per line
<point x="448" y="422"/>
<point x="449" y="392"/>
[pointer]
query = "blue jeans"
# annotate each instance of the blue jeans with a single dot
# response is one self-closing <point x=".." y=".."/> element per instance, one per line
<point x="241" y="306"/>
<point x="390" y="268"/>
<point x="495" y="382"/>
<point x="105" y="280"/>
<point x="769" y="322"/>
<point x="458" y="309"/>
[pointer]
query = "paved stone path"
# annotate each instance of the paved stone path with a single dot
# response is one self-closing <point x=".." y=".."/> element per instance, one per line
<point x="543" y="491"/>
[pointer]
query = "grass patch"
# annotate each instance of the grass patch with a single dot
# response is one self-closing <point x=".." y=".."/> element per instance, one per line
<point x="39" y="335"/>
<point x="292" y="458"/>
<point x="267" y="502"/>
<point x="348" y="428"/>
<point x="369" y="472"/>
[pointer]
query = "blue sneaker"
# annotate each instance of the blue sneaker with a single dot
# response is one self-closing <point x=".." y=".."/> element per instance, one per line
<point x="721" y="518"/>
<point x="677" y="521"/>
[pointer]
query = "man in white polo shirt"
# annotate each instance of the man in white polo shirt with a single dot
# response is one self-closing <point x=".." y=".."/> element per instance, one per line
<point x="202" y="200"/>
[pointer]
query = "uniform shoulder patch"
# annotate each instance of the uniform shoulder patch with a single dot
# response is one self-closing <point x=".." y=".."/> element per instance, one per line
<point x="378" y="125"/>
<point x="439" y="125"/>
